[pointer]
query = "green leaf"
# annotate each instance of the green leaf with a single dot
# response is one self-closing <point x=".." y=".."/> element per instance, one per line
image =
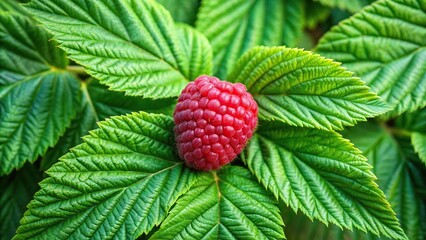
<point x="197" y="50"/>
<point x="294" y="20"/>
<point x="16" y="191"/>
<point x="229" y="204"/>
<point x="413" y="124"/>
<point x="37" y="99"/>
<point x="396" y="172"/>
<point x="97" y="104"/>
<point x="119" y="183"/>
<point x="182" y="11"/>
<point x="385" y="44"/>
<point x="321" y="174"/>
<point x="419" y="144"/>
<point x="11" y="6"/>
<point x="304" y="89"/>
<point x="235" y="26"/>
<point x="129" y="45"/>
<point x="350" y="5"/>
<point x="315" y="13"/>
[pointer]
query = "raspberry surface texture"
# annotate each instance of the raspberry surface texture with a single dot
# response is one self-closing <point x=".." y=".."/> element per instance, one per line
<point x="213" y="120"/>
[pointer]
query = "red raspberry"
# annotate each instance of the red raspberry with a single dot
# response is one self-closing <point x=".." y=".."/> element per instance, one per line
<point x="214" y="120"/>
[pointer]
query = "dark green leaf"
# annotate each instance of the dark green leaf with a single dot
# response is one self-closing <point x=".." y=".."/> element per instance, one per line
<point x="37" y="98"/>
<point x="16" y="191"/>
<point x="182" y="11"/>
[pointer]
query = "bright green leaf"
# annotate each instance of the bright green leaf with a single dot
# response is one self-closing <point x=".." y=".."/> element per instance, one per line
<point x="129" y="45"/>
<point x="16" y="191"/>
<point x="385" y="44"/>
<point x="37" y="99"/>
<point x="229" y="204"/>
<point x="321" y="174"/>
<point x="197" y="50"/>
<point x="119" y="183"/>
<point x="235" y="26"/>
<point x="350" y="5"/>
<point x="396" y="173"/>
<point x="182" y="11"/>
<point x="303" y="89"/>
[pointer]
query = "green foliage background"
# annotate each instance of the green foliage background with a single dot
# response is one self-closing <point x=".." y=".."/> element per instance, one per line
<point x="340" y="150"/>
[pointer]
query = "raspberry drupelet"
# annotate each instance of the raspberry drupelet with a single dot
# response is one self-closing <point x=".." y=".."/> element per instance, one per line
<point x="213" y="120"/>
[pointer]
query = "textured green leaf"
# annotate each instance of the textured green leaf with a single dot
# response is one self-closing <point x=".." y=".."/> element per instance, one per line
<point x="385" y="44"/>
<point x="182" y="11"/>
<point x="119" y="183"/>
<point x="304" y="89"/>
<point x="11" y="6"/>
<point x="294" y="20"/>
<point x="229" y="204"/>
<point x="419" y="144"/>
<point x="37" y="99"/>
<point x="16" y="191"/>
<point x="97" y="104"/>
<point x="315" y="13"/>
<point x="396" y="173"/>
<point x="350" y="5"/>
<point x="129" y="45"/>
<point x="235" y="26"/>
<point x="321" y="174"/>
<point x="197" y="50"/>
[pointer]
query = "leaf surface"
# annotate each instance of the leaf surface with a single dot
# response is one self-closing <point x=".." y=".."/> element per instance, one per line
<point x="229" y="204"/>
<point x="182" y="11"/>
<point x="394" y="164"/>
<point x="16" y="191"/>
<point x="37" y="98"/>
<point x="233" y="27"/>
<point x="321" y="174"/>
<point x="129" y="45"/>
<point x="304" y="89"/>
<point x="351" y="5"/>
<point x="98" y="103"/>
<point x="385" y="44"/>
<point x="119" y="183"/>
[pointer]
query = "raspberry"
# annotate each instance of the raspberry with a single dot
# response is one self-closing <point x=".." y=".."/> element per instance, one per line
<point x="214" y="120"/>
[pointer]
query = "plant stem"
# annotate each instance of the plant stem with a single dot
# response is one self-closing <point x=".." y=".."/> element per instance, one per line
<point x="77" y="69"/>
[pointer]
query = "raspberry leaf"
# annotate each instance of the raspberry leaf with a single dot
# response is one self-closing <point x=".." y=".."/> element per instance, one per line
<point x="228" y="204"/>
<point x="304" y="89"/>
<point x="16" y="191"/>
<point x="126" y="170"/>
<point x="233" y="27"/>
<point x="97" y="103"/>
<point x="197" y="50"/>
<point x="321" y="174"/>
<point x="391" y="62"/>
<point x="399" y="173"/>
<point x="129" y="45"/>
<point x="38" y="98"/>
<point x="351" y="6"/>
<point x="182" y="11"/>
